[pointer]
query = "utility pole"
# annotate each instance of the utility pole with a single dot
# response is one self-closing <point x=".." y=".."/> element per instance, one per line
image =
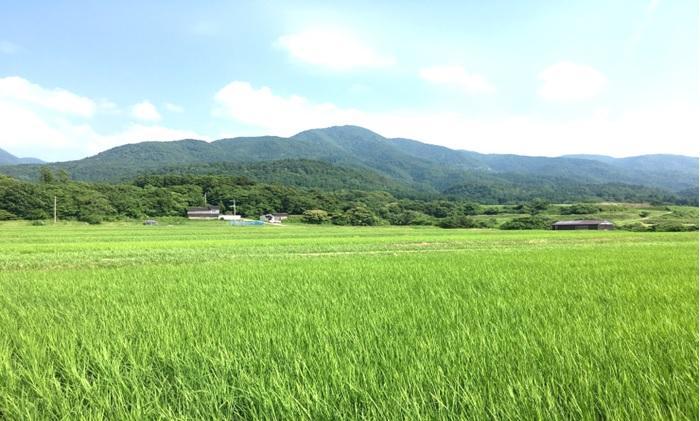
<point x="205" y="199"/>
<point x="55" y="214"/>
<point x="234" y="206"/>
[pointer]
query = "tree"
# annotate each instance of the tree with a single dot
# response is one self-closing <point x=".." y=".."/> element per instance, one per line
<point x="535" y="206"/>
<point x="579" y="209"/>
<point x="62" y="176"/>
<point x="534" y="222"/>
<point x="457" y="220"/>
<point x="361" y="215"/>
<point x="315" y="216"/>
<point x="46" y="175"/>
<point x="471" y="208"/>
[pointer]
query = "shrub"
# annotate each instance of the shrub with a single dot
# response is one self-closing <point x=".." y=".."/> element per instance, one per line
<point x="457" y="221"/>
<point x="361" y="215"/>
<point x="7" y="216"/>
<point x="527" y="223"/>
<point x="339" y="219"/>
<point x="636" y="227"/>
<point x="315" y="216"/>
<point x="92" y="219"/>
<point x="579" y="209"/>
<point x="674" y="227"/>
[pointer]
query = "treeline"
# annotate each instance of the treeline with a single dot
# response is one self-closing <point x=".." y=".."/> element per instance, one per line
<point x="171" y="195"/>
<point x="435" y="182"/>
<point x="161" y="195"/>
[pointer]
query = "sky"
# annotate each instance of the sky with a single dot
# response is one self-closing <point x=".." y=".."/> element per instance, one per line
<point x="546" y="78"/>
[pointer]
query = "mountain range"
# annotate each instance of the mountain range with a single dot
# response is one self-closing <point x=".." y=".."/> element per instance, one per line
<point x="7" y="158"/>
<point x="354" y="157"/>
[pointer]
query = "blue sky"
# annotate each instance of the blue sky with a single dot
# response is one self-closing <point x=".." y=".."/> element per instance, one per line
<point x="534" y="78"/>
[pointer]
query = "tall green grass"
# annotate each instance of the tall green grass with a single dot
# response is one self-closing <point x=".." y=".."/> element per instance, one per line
<point x="209" y="321"/>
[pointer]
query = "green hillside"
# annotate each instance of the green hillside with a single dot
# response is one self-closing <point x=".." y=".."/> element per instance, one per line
<point x="356" y="158"/>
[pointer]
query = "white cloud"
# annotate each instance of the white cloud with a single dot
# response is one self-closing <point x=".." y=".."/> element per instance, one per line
<point x="174" y="108"/>
<point x="52" y="123"/>
<point x="27" y="132"/>
<point x="282" y="115"/>
<point x="456" y="77"/>
<point x="333" y="49"/>
<point x="661" y="128"/>
<point x="568" y="82"/>
<point x="21" y="91"/>
<point x="145" y="111"/>
<point x="7" y="47"/>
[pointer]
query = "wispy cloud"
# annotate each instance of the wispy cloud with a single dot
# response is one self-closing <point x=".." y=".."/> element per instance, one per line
<point x="333" y="49"/>
<point x="634" y="131"/>
<point x="651" y="7"/>
<point x="644" y="23"/>
<point x="145" y="111"/>
<point x="173" y="108"/>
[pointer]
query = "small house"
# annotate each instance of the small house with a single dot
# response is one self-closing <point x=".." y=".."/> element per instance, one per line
<point x="583" y="225"/>
<point x="274" y="218"/>
<point x="207" y="212"/>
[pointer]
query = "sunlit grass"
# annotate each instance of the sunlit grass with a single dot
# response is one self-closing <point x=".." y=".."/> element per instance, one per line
<point x="207" y="320"/>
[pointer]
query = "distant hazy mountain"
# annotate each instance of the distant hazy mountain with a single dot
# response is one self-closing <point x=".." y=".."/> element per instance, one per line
<point x="393" y="163"/>
<point x="7" y="158"/>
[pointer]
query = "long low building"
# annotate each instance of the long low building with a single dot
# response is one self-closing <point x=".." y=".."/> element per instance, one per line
<point x="583" y="225"/>
<point x="207" y="212"/>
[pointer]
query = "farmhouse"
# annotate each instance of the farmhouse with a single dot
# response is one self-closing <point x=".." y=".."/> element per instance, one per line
<point x="274" y="218"/>
<point x="207" y="212"/>
<point x="583" y="225"/>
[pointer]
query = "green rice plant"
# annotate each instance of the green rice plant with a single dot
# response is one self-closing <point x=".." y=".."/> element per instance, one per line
<point x="201" y="321"/>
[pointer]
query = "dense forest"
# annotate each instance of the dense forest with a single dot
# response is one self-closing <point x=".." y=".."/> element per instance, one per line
<point x="169" y="195"/>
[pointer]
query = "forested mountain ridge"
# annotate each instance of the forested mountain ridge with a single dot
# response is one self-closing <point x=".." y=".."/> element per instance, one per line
<point x="362" y="159"/>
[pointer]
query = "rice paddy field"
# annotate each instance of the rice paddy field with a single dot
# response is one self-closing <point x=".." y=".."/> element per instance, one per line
<point x="208" y="321"/>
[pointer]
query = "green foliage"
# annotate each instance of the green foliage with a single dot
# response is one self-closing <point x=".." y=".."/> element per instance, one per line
<point x="535" y="206"/>
<point x="46" y="175"/>
<point x="315" y="216"/>
<point x="528" y="223"/>
<point x="361" y="215"/>
<point x="580" y="209"/>
<point x="160" y="195"/>
<point x="457" y="220"/>
<point x="673" y="227"/>
<point x="340" y="218"/>
<point x="7" y="216"/>
<point x="636" y="227"/>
